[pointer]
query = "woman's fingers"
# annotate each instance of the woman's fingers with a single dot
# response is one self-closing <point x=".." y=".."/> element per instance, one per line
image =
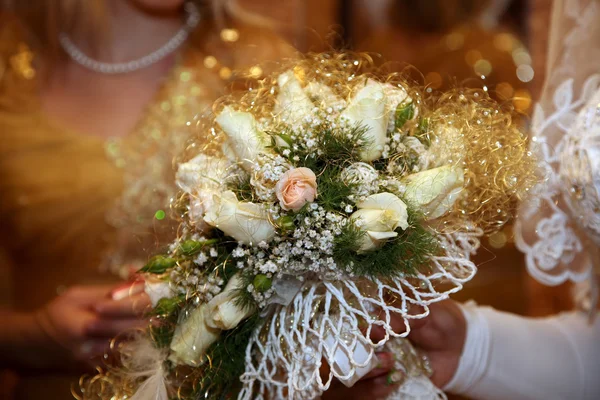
<point x="87" y="295"/>
<point x="127" y="289"/>
<point x="385" y="364"/>
<point x="128" y="307"/>
<point x="91" y="348"/>
<point x="377" y="388"/>
<point x="109" y="328"/>
<point x="444" y="329"/>
<point x="428" y="337"/>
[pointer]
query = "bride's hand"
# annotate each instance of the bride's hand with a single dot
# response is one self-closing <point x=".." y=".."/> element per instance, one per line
<point x="441" y="337"/>
<point x="375" y="385"/>
<point x="82" y="321"/>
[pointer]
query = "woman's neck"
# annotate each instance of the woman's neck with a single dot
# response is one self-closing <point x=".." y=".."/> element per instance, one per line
<point x="131" y="32"/>
<point x="102" y="105"/>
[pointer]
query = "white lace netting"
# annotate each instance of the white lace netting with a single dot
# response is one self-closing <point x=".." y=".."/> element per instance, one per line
<point x="284" y="358"/>
<point x="556" y="226"/>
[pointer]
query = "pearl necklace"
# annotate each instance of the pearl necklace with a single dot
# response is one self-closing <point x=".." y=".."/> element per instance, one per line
<point x="122" y="68"/>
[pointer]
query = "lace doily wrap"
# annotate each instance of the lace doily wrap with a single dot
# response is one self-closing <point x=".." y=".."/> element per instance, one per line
<point x="559" y="227"/>
<point x="331" y="322"/>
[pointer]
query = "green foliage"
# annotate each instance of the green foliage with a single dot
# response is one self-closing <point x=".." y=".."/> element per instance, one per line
<point x="167" y="312"/>
<point x="162" y="335"/>
<point x="286" y="223"/>
<point x="240" y="185"/>
<point x="401" y="256"/>
<point x="220" y="378"/>
<point x="243" y="298"/>
<point x="422" y="131"/>
<point x="280" y="141"/>
<point x="345" y="244"/>
<point x="332" y="190"/>
<point x="380" y="164"/>
<point x="336" y="146"/>
<point x="167" y="306"/>
<point x="262" y="283"/>
<point x="159" y="264"/>
<point x="404" y="113"/>
<point x="341" y="145"/>
<point x="190" y="247"/>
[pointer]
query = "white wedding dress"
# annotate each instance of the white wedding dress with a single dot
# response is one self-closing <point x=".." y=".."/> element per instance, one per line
<point x="510" y="357"/>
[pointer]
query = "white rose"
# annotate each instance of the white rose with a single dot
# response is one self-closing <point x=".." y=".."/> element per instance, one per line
<point x="202" y="328"/>
<point x="324" y="95"/>
<point x="245" y="139"/>
<point x="192" y="338"/>
<point x="434" y="191"/>
<point x="157" y="290"/>
<point x="222" y="311"/>
<point x="368" y="109"/>
<point x="379" y="216"/>
<point x="244" y="221"/>
<point x="202" y="172"/>
<point x="293" y="104"/>
<point x="202" y="177"/>
<point x="395" y="96"/>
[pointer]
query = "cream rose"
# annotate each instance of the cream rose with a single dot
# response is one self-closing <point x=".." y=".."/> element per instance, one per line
<point x="379" y="216"/>
<point x="203" y="326"/>
<point x="192" y="338"/>
<point x="323" y="95"/>
<point x="293" y="104"/>
<point x="396" y="95"/>
<point x="201" y="178"/>
<point x="434" y="191"/>
<point x="202" y="172"/>
<point x="244" y="221"/>
<point x="222" y="311"/>
<point x="246" y="141"/>
<point x="368" y="109"/>
<point x="296" y="187"/>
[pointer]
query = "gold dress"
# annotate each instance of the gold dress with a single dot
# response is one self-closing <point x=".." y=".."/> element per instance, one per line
<point x="67" y="199"/>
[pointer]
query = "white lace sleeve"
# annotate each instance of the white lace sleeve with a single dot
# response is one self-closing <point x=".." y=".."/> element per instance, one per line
<point x="557" y="246"/>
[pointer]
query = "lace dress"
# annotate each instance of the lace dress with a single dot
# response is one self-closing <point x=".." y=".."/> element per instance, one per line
<point x="507" y="356"/>
<point x="559" y="228"/>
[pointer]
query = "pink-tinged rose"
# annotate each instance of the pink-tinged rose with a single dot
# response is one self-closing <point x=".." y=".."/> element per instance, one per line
<point x="295" y="188"/>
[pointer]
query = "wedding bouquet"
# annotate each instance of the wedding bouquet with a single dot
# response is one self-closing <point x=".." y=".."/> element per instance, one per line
<point x="328" y="201"/>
